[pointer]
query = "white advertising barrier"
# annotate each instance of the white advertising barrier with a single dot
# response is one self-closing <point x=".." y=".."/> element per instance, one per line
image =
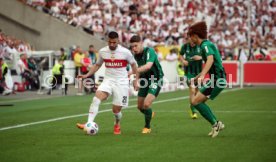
<point x="169" y="69"/>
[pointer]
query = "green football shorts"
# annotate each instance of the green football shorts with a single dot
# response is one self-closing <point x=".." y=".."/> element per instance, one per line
<point x="212" y="88"/>
<point x="152" y="88"/>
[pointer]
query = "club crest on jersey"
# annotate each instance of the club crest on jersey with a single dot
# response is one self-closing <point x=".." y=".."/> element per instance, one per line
<point x="112" y="57"/>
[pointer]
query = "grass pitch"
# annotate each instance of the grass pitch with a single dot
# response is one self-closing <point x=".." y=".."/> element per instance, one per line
<point x="49" y="133"/>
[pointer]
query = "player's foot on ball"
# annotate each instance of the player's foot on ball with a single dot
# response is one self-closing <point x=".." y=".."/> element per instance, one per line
<point x="80" y="126"/>
<point x="146" y="130"/>
<point x="117" y="129"/>
<point x="216" y="128"/>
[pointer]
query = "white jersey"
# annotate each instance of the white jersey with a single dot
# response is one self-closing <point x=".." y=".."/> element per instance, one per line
<point x="115" y="62"/>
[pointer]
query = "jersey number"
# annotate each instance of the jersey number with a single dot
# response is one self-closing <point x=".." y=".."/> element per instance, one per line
<point x="206" y="48"/>
<point x="148" y="55"/>
<point x="124" y="99"/>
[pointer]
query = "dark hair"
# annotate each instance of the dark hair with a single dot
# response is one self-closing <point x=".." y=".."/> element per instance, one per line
<point x="199" y="29"/>
<point x="91" y="46"/>
<point x="113" y="35"/>
<point x="135" y="38"/>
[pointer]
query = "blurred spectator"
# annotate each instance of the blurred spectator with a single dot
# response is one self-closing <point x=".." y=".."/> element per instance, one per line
<point x="63" y="55"/>
<point x="159" y="55"/>
<point x="78" y="56"/>
<point x="5" y="89"/>
<point x="92" y="54"/>
<point x="172" y="56"/>
<point x="10" y="45"/>
<point x="164" y="22"/>
<point x="28" y="76"/>
<point x="58" y="74"/>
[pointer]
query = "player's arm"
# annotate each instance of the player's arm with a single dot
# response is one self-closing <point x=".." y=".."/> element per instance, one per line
<point x="145" y="67"/>
<point x="208" y="64"/>
<point x="136" y="78"/>
<point x="134" y="68"/>
<point x="151" y="56"/>
<point x="183" y="60"/>
<point x="93" y="69"/>
<point x="182" y="56"/>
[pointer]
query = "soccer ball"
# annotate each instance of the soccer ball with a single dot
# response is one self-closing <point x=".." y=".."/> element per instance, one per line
<point x="91" y="128"/>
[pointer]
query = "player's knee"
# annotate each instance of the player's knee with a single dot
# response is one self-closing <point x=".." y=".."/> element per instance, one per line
<point x="194" y="102"/>
<point x="115" y="111"/>
<point x="147" y="105"/>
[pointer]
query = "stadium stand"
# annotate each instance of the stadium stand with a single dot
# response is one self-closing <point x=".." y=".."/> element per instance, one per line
<point x="165" y="21"/>
<point x="9" y="45"/>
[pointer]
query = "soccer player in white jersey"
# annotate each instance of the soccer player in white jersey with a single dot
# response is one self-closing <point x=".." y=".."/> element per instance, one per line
<point x="115" y="81"/>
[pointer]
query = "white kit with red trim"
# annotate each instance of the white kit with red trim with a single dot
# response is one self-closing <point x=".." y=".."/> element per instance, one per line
<point x="115" y="61"/>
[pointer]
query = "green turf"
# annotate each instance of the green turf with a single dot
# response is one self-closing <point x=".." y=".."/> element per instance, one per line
<point x="249" y="115"/>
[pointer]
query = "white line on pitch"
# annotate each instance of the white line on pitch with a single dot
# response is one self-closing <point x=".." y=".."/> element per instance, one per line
<point x="218" y="111"/>
<point x="80" y="115"/>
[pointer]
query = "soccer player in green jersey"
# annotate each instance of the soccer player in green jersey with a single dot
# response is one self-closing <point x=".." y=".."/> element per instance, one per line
<point x="190" y="57"/>
<point x="213" y="66"/>
<point x="150" y="76"/>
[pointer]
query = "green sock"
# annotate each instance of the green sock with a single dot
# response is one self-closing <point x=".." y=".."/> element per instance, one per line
<point x="206" y="112"/>
<point x="148" y="115"/>
<point x="193" y="109"/>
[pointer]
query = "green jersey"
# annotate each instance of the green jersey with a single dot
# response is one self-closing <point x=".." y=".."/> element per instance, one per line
<point x="195" y="66"/>
<point x="208" y="48"/>
<point x="149" y="55"/>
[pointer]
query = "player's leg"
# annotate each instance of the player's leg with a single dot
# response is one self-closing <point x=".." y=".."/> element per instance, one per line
<point x="120" y="99"/>
<point x="101" y="94"/>
<point x="193" y="113"/>
<point x="94" y="107"/>
<point x="140" y="104"/>
<point x="118" y="115"/>
<point x="153" y="92"/>
<point x="198" y="100"/>
<point x="148" y="112"/>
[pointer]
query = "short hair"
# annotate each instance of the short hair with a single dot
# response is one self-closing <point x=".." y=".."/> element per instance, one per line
<point x="91" y="46"/>
<point x="199" y="29"/>
<point x="113" y="35"/>
<point x="135" y="38"/>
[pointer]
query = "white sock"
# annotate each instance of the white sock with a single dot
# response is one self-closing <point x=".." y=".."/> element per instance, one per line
<point x="94" y="108"/>
<point x="118" y="116"/>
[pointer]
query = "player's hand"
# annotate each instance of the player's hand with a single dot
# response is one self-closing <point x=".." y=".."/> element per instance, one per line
<point x="200" y="78"/>
<point x="185" y="63"/>
<point x="135" y="85"/>
<point x="81" y="76"/>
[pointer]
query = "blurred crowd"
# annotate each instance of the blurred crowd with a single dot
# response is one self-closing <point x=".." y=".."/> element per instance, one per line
<point x="166" y="21"/>
<point x="9" y="45"/>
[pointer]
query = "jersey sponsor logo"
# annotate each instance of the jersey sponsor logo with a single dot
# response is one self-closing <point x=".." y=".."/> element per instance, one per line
<point x="112" y="63"/>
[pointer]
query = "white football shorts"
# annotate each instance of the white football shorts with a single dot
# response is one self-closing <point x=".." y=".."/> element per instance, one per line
<point x="118" y="90"/>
